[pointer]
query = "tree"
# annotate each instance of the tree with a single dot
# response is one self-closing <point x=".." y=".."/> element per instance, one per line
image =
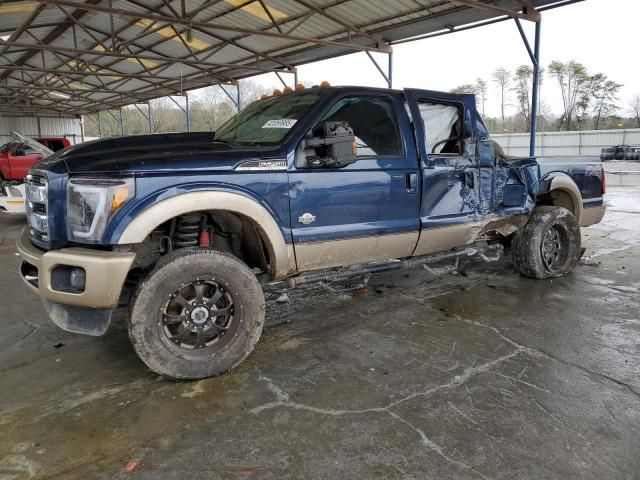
<point x="469" y="89"/>
<point x="605" y="99"/>
<point x="634" y="106"/>
<point x="464" y="89"/>
<point x="523" y="79"/>
<point x="575" y="83"/>
<point x="502" y="78"/>
<point x="481" y="92"/>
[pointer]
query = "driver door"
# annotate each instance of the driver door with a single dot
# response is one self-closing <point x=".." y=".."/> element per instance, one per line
<point x="21" y="159"/>
<point x="365" y="211"/>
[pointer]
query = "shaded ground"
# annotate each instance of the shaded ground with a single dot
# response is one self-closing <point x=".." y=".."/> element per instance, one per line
<point x="482" y="375"/>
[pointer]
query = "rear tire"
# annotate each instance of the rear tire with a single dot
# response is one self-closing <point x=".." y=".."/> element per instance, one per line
<point x="548" y="245"/>
<point x="198" y="314"/>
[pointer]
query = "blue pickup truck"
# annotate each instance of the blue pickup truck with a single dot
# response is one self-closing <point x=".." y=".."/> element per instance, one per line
<point x="181" y="232"/>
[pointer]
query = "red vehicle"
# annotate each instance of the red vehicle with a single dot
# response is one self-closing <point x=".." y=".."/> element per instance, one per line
<point x="19" y="155"/>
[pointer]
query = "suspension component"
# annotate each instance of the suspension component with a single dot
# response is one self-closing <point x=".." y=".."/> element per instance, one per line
<point x="187" y="229"/>
<point x="205" y="239"/>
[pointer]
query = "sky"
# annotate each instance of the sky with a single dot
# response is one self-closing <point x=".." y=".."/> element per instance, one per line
<point x="603" y="35"/>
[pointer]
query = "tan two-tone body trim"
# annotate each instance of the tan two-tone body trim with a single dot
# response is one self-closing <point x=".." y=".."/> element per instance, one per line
<point x="592" y="215"/>
<point x="434" y="240"/>
<point x="105" y="273"/>
<point x="565" y="193"/>
<point x="352" y="251"/>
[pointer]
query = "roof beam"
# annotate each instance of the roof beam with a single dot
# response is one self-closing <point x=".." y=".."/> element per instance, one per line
<point x="47" y="88"/>
<point x="532" y="15"/>
<point x="107" y="53"/>
<point x="52" y="35"/>
<point x="227" y="28"/>
<point x="333" y="18"/>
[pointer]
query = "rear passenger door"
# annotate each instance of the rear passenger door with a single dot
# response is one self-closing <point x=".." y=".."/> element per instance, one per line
<point x="365" y="211"/>
<point x="450" y="200"/>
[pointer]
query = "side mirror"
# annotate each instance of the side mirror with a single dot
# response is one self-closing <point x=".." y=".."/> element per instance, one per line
<point x="335" y="148"/>
<point x="19" y="152"/>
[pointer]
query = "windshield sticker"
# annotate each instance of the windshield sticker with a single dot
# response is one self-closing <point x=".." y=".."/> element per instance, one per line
<point x="281" y="123"/>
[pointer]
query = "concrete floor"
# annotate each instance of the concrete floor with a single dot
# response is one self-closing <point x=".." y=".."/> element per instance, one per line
<point x="484" y="375"/>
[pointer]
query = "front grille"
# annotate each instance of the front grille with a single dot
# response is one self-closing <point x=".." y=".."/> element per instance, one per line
<point x="37" y="212"/>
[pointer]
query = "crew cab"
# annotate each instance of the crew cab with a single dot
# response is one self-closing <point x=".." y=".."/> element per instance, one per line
<point x="180" y="233"/>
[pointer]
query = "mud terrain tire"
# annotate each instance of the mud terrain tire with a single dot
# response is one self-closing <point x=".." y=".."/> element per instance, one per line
<point x="186" y="298"/>
<point x="548" y="245"/>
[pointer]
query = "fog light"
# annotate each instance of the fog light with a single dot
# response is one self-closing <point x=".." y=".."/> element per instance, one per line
<point x="68" y="279"/>
<point x="77" y="279"/>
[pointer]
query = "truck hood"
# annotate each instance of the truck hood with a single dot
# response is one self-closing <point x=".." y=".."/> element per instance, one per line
<point x="37" y="146"/>
<point x="156" y="153"/>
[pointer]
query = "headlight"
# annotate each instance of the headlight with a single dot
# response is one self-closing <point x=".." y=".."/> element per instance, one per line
<point x="92" y="202"/>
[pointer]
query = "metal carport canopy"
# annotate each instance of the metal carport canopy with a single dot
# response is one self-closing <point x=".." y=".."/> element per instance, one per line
<point x="70" y="57"/>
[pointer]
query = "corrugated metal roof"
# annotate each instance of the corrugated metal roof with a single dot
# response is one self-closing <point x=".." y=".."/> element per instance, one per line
<point x="79" y="56"/>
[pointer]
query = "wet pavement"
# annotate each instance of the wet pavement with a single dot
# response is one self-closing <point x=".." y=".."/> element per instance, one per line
<point x="483" y="374"/>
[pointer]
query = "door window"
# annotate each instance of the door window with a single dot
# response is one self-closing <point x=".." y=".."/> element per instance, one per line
<point x="442" y="127"/>
<point x="374" y="123"/>
<point x="56" y="145"/>
<point x="23" y="150"/>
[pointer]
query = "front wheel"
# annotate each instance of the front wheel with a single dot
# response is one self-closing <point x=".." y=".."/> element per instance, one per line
<point x="198" y="314"/>
<point x="548" y="245"/>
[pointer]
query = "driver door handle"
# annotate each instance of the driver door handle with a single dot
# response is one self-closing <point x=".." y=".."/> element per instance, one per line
<point x="412" y="182"/>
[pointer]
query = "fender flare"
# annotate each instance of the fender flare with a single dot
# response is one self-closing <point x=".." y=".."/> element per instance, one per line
<point x="149" y="219"/>
<point x="566" y="184"/>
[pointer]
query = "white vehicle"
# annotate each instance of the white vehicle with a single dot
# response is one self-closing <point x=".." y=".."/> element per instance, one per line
<point x="12" y="193"/>
<point x="12" y="199"/>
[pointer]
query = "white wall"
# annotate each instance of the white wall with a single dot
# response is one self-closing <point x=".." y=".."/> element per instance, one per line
<point x="28" y="126"/>
<point x="589" y="142"/>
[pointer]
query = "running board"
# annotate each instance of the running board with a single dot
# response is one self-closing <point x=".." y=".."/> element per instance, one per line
<point x="487" y="253"/>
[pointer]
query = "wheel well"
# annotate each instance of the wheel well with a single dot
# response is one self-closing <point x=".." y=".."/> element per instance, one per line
<point x="226" y="231"/>
<point x="558" y="198"/>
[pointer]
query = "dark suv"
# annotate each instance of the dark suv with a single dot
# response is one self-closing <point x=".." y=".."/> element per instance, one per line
<point x="620" y="152"/>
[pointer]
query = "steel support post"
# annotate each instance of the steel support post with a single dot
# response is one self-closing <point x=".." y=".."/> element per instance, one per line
<point x="236" y="100"/>
<point x="147" y="116"/>
<point x="150" y="117"/>
<point x="386" y="76"/>
<point x="535" y="60"/>
<point x="81" y="128"/>
<point x="186" y="111"/>
<point x="536" y="91"/>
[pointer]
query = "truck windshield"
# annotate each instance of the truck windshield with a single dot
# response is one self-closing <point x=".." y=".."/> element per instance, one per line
<point x="267" y="121"/>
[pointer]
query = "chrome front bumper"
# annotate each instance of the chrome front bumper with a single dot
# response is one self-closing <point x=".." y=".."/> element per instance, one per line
<point x="104" y="273"/>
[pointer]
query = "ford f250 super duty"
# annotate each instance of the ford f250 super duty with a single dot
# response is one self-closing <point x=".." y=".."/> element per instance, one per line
<point x="181" y="232"/>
